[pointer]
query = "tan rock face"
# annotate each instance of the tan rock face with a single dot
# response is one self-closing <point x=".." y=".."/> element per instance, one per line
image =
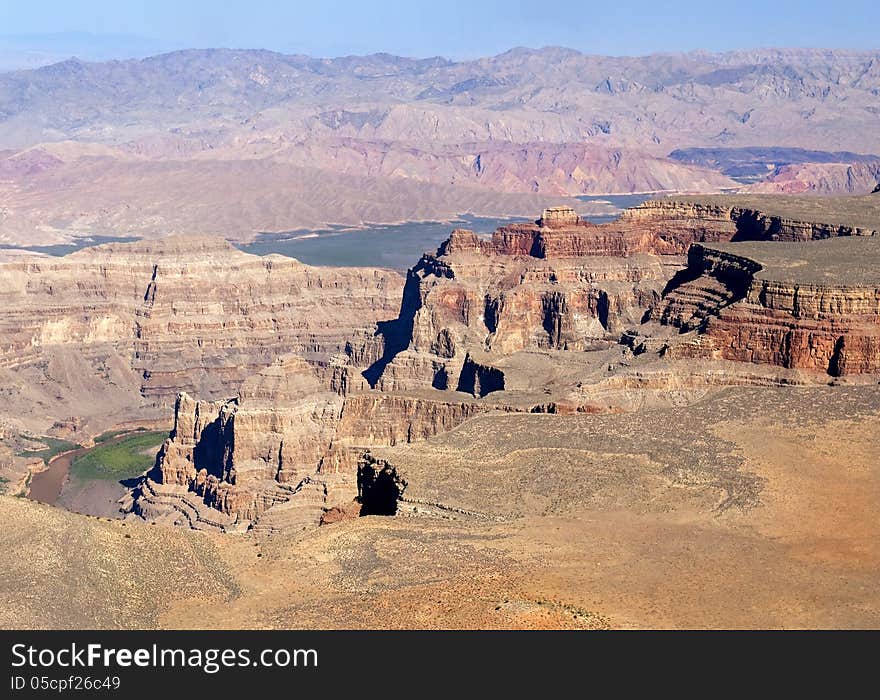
<point x="557" y="284"/>
<point x="282" y="453"/>
<point x="565" y="284"/>
<point x="558" y="217"/>
<point x="714" y="219"/>
<point x="156" y="318"/>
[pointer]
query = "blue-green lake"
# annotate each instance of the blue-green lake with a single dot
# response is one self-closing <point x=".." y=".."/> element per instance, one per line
<point x="395" y="246"/>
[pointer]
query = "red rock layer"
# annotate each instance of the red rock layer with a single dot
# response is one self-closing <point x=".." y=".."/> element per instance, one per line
<point x="824" y="327"/>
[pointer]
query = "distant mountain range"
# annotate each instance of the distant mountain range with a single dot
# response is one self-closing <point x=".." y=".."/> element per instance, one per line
<point x="550" y="122"/>
<point x="816" y="99"/>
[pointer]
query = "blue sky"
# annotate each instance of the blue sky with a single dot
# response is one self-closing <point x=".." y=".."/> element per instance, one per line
<point x="458" y="29"/>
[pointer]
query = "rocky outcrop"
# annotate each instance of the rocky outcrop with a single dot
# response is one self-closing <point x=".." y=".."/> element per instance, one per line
<point x="155" y="318"/>
<point x="715" y="219"/>
<point x="558" y="316"/>
<point x="479" y="379"/>
<point x="556" y="284"/>
<point x="813" y="307"/>
<point x="282" y="453"/>
<point x="379" y="487"/>
<point x="713" y="280"/>
<point x="558" y="217"/>
<point x="562" y="284"/>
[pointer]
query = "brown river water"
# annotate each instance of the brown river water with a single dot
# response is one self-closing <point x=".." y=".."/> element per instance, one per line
<point x="48" y="486"/>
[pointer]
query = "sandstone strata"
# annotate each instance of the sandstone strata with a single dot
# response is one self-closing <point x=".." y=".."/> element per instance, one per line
<point x="767" y="217"/>
<point x="129" y="325"/>
<point x="282" y="453"/>
<point x="559" y="316"/>
<point x="815" y="308"/>
<point x="557" y="284"/>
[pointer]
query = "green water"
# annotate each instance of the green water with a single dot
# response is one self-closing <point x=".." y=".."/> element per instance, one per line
<point x="53" y="447"/>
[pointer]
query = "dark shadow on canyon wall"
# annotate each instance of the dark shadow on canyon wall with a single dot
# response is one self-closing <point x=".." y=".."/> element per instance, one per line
<point x="396" y="334"/>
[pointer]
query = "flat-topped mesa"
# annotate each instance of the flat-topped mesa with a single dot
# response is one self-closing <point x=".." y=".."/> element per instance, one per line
<point x="574" y="285"/>
<point x="176" y="247"/>
<point x="559" y="283"/>
<point x="156" y="317"/>
<point x="578" y="240"/>
<point x="662" y="227"/>
<point x="570" y="285"/>
<point x="811" y="306"/>
<point x="764" y="217"/>
<point x="558" y="217"/>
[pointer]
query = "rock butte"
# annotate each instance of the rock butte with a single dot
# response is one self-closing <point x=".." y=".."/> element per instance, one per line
<point x="556" y="316"/>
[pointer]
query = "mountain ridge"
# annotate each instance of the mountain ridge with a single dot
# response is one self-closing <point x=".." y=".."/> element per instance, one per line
<point x="551" y="122"/>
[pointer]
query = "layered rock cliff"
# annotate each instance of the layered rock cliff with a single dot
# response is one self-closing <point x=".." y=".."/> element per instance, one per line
<point x="559" y="283"/>
<point x="128" y="325"/>
<point x="283" y="452"/>
<point x="814" y="307"/>
<point x="763" y="217"/>
<point x="556" y="316"/>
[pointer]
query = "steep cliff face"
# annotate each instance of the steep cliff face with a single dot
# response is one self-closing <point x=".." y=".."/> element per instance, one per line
<point x="197" y="325"/>
<point x="814" y="307"/>
<point x="562" y="284"/>
<point x="560" y="316"/>
<point x="712" y="219"/>
<point x="154" y="318"/>
<point x="282" y="453"/>
<point x="675" y="224"/>
<point x="557" y="284"/>
<point x="712" y="281"/>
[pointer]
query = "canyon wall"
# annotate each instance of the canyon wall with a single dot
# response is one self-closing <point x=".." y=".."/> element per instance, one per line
<point x="559" y="283"/>
<point x="818" y="312"/>
<point x="759" y="218"/>
<point x="281" y="454"/>
<point x="555" y="316"/>
<point x="143" y="321"/>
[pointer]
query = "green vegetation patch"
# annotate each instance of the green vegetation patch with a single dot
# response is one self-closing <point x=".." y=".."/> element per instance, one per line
<point x="110" y="434"/>
<point x="119" y="459"/>
<point x="55" y="446"/>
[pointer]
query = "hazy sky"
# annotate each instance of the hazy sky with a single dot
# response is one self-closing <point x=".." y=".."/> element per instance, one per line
<point x="459" y="29"/>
